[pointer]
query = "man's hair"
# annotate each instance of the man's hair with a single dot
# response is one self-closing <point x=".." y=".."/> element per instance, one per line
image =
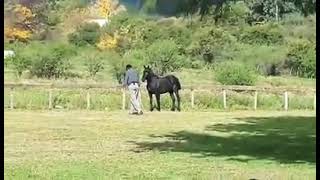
<point x="128" y="66"/>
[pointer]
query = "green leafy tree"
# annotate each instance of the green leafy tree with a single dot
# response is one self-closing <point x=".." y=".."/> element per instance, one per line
<point x="94" y="65"/>
<point x="19" y="63"/>
<point x="163" y="56"/>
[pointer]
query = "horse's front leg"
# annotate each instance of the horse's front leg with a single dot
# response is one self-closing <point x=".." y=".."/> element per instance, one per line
<point x="158" y="101"/>
<point x="151" y="104"/>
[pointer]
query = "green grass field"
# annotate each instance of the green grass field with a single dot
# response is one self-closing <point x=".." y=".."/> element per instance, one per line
<point x="113" y="145"/>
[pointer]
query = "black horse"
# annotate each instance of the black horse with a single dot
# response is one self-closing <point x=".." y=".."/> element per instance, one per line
<point x="159" y="85"/>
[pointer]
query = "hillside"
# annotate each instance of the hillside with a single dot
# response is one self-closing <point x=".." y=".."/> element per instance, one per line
<point x="54" y="42"/>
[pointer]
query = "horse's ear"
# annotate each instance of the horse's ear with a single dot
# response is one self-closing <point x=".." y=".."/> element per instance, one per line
<point x="145" y="66"/>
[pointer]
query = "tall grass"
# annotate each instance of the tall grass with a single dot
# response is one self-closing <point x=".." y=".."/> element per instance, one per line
<point x="110" y="100"/>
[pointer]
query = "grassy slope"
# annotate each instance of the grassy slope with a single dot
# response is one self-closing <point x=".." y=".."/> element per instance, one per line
<point x="218" y="145"/>
<point x="294" y="28"/>
<point x="187" y="76"/>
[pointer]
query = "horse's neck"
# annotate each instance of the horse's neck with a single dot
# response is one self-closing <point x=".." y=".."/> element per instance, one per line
<point x="152" y="77"/>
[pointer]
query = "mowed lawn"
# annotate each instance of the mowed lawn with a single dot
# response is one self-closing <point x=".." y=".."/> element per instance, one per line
<point x="166" y="145"/>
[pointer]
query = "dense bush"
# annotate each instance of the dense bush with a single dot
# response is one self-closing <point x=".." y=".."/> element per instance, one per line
<point x="136" y="57"/>
<point x="46" y="67"/>
<point x="149" y="6"/>
<point x="267" y="34"/>
<point x="210" y="43"/>
<point x="297" y="27"/>
<point x="19" y="63"/>
<point x="301" y="58"/>
<point x="24" y="56"/>
<point x="235" y="14"/>
<point x="133" y="32"/>
<point x="86" y="34"/>
<point x="94" y="65"/>
<point x="164" y="57"/>
<point x="294" y="19"/>
<point x="266" y="59"/>
<point x="53" y="19"/>
<point x="233" y="73"/>
<point x="177" y="33"/>
<point x="52" y="62"/>
<point x="69" y="5"/>
<point x="117" y="65"/>
<point x="139" y="32"/>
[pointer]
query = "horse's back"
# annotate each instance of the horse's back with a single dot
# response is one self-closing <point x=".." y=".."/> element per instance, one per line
<point x="164" y="84"/>
<point x="174" y="81"/>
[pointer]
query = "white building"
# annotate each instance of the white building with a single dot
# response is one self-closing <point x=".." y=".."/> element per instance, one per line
<point x="101" y="22"/>
<point x="8" y="53"/>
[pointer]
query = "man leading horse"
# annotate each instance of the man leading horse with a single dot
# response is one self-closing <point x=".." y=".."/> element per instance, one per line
<point x="132" y="82"/>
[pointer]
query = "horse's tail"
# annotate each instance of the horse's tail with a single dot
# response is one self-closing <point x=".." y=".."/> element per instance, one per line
<point x="177" y="82"/>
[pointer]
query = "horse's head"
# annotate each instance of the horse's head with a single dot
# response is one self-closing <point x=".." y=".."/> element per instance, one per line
<point x="146" y="73"/>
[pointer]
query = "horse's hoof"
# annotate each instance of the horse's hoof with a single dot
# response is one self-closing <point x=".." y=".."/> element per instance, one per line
<point x="172" y="109"/>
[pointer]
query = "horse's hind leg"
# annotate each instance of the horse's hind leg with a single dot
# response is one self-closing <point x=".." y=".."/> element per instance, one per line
<point x="151" y="104"/>
<point x="158" y="101"/>
<point x="173" y="101"/>
<point x="178" y="99"/>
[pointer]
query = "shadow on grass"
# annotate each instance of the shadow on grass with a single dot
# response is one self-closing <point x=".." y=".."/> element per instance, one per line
<point x="283" y="139"/>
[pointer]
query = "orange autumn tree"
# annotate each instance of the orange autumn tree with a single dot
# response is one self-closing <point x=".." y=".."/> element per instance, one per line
<point x="19" y="24"/>
<point x="105" y="8"/>
<point x="108" y="42"/>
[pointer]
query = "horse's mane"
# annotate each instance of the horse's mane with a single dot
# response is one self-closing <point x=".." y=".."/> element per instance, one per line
<point x="154" y="75"/>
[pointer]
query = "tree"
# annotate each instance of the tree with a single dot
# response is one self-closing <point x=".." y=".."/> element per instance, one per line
<point x="94" y="65"/>
<point x="306" y="7"/>
<point x="273" y="9"/>
<point x="106" y="8"/>
<point x="26" y="19"/>
<point x="164" y="57"/>
<point x="108" y="42"/>
<point x="19" y="23"/>
<point x="19" y="63"/>
<point x="189" y="7"/>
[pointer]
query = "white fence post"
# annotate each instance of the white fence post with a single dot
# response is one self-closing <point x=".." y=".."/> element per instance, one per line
<point x="224" y="99"/>
<point x="123" y="99"/>
<point x="11" y="98"/>
<point x="50" y="99"/>
<point x="286" y="104"/>
<point x="88" y="100"/>
<point x="192" y="98"/>
<point x="315" y="101"/>
<point x="255" y="100"/>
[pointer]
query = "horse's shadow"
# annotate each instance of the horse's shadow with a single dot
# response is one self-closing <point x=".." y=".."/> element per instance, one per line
<point x="283" y="139"/>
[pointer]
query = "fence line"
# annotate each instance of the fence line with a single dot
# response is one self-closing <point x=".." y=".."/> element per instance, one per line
<point x="193" y="90"/>
<point x="187" y="87"/>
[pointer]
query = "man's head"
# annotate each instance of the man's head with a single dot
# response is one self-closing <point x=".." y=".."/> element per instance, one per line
<point x="128" y="66"/>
